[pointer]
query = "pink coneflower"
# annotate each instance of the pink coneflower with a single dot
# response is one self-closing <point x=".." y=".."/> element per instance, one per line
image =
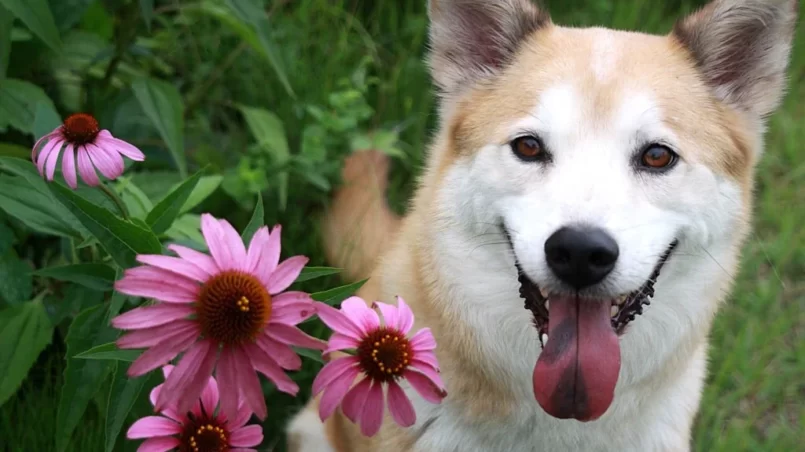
<point x="96" y="148"/>
<point x="227" y="312"/>
<point x="200" y="429"/>
<point x="384" y="355"/>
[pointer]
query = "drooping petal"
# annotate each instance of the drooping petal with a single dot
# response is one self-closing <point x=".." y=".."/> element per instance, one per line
<point x="332" y="371"/>
<point x="268" y="367"/>
<point x="85" y="168"/>
<point x="292" y="313"/>
<point x="355" y="399"/>
<point x="50" y="166"/>
<point x="151" y="426"/>
<point x="283" y="354"/>
<point x="335" y="392"/>
<point x="127" y="149"/>
<point x="52" y="146"/>
<point x="162" y="444"/>
<point x="234" y="242"/>
<point x="226" y="374"/>
<point x="55" y="133"/>
<point x="161" y="354"/>
<point x="338" y="321"/>
<point x="400" y="406"/>
<point x="175" y="265"/>
<point x="159" y="290"/>
<point x="149" y="337"/>
<point x="406" y="316"/>
<point x="199" y="259"/>
<point x="286" y="273"/>
<point x="247" y="378"/>
<point x="356" y="309"/>
<point x="216" y="242"/>
<point x="151" y="316"/>
<point x="429" y="372"/>
<point x="249" y="436"/>
<point x="423" y="340"/>
<point x="68" y="167"/>
<point x="425" y="386"/>
<point x="372" y="416"/>
<point x="291" y="335"/>
<point x="110" y="167"/>
<point x="188" y="379"/>
<point x="426" y="359"/>
<point x="338" y="341"/>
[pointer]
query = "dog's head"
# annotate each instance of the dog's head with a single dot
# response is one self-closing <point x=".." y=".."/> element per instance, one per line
<point x="599" y="155"/>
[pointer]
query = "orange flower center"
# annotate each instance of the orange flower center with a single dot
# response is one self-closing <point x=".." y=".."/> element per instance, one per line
<point x="80" y="128"/>
<point x="233" y="307"/>
<point x="203" y="435"/>
<point x="384" y="354"/>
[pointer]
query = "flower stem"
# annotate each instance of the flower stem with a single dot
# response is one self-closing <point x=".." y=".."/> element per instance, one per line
<point x="115" y="199"/>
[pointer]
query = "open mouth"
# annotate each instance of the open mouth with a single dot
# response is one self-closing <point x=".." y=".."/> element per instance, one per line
<point x="576" y="373"/>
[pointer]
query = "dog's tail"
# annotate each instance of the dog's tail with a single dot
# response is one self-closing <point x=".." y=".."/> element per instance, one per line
<point x="359" y="225"/>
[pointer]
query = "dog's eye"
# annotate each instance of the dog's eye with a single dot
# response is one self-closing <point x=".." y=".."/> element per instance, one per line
<point x="658" y="157"/>
<point x="527" y="148"/>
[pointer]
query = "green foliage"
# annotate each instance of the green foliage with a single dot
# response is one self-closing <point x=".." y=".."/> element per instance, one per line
<point x="25" y="331"/>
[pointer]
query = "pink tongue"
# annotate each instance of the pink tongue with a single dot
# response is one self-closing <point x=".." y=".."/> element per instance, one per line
<point x="577" y="370"/>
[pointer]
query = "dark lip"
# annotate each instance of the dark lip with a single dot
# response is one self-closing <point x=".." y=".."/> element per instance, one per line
<point x="630" y="309"/>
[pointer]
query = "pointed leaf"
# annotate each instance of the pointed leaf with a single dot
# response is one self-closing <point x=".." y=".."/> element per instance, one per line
<point x="36" y="15"/>
<point x="315" y="355"/>
<point x="162" y="103"/>
<point x="162" y="216"/>
<point x="18" y="100"/>
<point x="147" y="11"/>
<point x="123" y="393"/>
<point x="268" y="130"/>
<point x="15" y="278"/>
<point x="92" y="275"/>
<point x="109" y="351"/>
<point x="339" y="294"/>
<point x="205" y="187"/>
<point x="256" y="222"/>
<point x="122" y="239"/>
<point x="309" y="273"/>
<point x="25" y="331"/>
<point x="82" y="377"/>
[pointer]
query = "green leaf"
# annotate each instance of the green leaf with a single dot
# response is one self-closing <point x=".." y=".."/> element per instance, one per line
<point x="7" y="239"/>
<point x="15" y="278"/>
<point x="135" y="199"/>
<point x="14" y="150"/>
<point x="187" y="227"/>
<point x="122" y="239"/>
<point x="162" y="103"/>
<point x="314" y="143"/>
<point x="36" y="15"/>
<point x="37" y="211"/>
<point x="123" y="393"/>
<point x="162" y="216"/>
<point x="109" y="351"/>
<point x="5" y="40"/>
<point x="74" y="299"/>
<point x="309" y="273"/>
<point x="339" y="294"/>
<point x="94" y="275"/>
<point x="116" y="303"/>
<point x="147" y="11"/>
<point x="82" y="377"/>
<point x="18" y="100"/>
<point x="67" y="13"/>
<point x="205" y="187"/>
<point x="252" y="13"/>
<point x="46" y="118"/>
<point x="315" y="355"/>
<point x="25" y="331"/>
<point x="256" y="222"/>
<point x="267" y="129"/>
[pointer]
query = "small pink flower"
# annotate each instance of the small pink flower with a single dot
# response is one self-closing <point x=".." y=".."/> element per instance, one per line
<point x="200" y="429"/>
<point x="227" y="312"/>
<point x="385" y="355"/>
<point x="95" y="148"/>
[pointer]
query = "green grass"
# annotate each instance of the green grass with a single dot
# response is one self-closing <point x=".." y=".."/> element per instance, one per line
<point x="755" y="395"/>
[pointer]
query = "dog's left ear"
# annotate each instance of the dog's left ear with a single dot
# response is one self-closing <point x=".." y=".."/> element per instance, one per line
<point x="742" y="49"/>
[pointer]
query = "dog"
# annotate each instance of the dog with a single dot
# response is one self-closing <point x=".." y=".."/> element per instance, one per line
<point x="577" y="225"/>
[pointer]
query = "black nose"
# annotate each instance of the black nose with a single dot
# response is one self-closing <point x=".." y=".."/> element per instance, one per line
<point x="579" y="256"/>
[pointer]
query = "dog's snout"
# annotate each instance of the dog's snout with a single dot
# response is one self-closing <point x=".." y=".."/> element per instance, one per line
<point x="581" y="256"/>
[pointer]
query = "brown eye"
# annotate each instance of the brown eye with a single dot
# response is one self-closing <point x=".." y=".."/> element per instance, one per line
<point x="527" y="148"/>
<point x="658" y="157"/>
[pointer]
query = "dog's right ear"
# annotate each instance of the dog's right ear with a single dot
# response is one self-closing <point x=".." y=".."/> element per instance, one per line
<point x="472" y="39"/>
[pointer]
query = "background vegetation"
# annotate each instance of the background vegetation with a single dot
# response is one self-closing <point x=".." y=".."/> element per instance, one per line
<point x="270" y="96"/>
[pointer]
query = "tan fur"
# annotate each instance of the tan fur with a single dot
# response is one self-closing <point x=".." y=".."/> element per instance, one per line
<point x="716" y="133"/>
